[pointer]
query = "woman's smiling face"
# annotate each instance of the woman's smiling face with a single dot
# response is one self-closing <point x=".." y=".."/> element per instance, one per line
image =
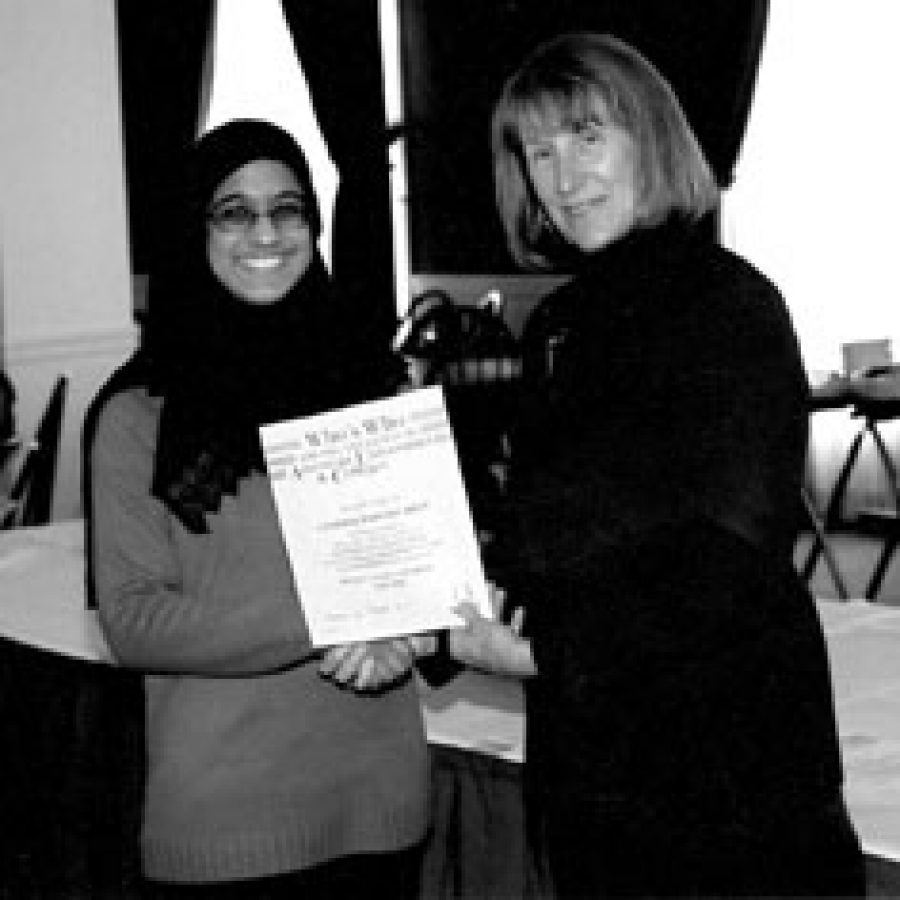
<point x="585" y="175"/>
<point x="259" y="241"/>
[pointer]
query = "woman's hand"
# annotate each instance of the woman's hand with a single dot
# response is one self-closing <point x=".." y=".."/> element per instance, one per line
<point x="491" y="645"/>
<point x="369" y="665"/>
<point x="497" y="597"/>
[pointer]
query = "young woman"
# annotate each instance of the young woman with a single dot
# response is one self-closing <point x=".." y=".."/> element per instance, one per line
<point x="272" y="770"/>
<point x="681" y="732"/>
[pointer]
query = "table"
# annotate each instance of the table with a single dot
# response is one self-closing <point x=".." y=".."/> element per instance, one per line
<point x="71" y="747"/>
<point x="476" y="724"/>
<point x="875" y="398"/>
<point x="42" y="591"/>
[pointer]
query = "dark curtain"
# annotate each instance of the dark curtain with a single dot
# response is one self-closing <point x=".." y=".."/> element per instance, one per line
<point x="457" y="55"/>
<point x="162" y="51"/>
<point x="339" y="48"/>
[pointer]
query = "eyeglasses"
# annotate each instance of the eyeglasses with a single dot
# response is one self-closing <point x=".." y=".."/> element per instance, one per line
<point x="237" y="216"/>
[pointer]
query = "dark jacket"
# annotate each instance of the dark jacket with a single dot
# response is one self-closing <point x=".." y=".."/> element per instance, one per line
<point x="683" y="678"/>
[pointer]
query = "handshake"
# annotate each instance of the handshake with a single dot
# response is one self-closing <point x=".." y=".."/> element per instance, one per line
<point x="481" y="643"/>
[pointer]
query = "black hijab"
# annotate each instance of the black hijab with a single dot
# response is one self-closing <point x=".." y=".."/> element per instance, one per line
<point x="224" y="366"/>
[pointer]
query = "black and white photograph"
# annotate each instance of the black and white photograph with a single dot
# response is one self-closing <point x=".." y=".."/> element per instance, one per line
<point x="449" y="449"/>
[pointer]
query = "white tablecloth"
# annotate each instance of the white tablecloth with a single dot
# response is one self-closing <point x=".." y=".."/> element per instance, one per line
<point x="42" y="604"/>
<point x="42" y="591"/>
<point x="864" y="650"/>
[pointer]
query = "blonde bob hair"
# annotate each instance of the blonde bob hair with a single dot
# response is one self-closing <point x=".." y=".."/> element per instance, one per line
<point x="559" y="83"/>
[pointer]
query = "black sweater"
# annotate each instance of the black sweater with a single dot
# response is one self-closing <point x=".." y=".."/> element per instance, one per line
<point x="657" y="476"/>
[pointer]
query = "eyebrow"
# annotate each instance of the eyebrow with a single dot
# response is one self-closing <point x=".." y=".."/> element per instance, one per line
<point x="290" y="193"/>
<point x="592" y="119"/>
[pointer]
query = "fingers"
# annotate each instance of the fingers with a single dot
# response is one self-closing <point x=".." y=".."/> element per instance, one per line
<point x="391" y="660"/>
<point x="342" y="663"/>
<point x="492" y="646"/>
<point x="367" y="666"/>
<point x="517" y="621"/>
<point x="365" y="676"/>
<point x="468" y="612"/>
<point x="498" y="598"/>
<point x="424" y="644"/>
<point x="394" y="658"/>
<point x="332" y="658"/>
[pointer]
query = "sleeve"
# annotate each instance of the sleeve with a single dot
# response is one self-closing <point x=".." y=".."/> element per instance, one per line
<point x="671" y="611"/>
<point x="702" y="407"/>
<point x="735" y="414"/>
<point x="439" y="668"/>
<point x="712" y="440"/>
<point x="681" y="668"/>
<point x="151" y="623"/>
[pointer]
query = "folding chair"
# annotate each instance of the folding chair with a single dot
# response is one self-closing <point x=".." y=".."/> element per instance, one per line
<point x="31" y="496"/>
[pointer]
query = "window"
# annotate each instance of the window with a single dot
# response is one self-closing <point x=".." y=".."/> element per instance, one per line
<point x="817" y="188"/>
<point x="256" y="74"/>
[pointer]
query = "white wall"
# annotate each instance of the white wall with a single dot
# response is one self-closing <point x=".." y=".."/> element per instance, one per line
<point x="65" y="290"/>
<point x="815" y="197"/>
<point x="817" y="184"/>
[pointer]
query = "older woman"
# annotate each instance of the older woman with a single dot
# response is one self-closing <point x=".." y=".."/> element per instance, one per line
<point x="271" y="771"/>
<point x="681" y="732"/>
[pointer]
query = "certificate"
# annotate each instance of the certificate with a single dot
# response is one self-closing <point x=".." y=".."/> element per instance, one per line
<point x="375" y="518"/>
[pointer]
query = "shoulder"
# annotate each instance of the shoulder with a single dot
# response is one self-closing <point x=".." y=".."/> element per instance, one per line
<point x="128" y="421"/>
<point x="726" y="302"/>
<point x="741" y="321"/>
<point x="724" y="273"/>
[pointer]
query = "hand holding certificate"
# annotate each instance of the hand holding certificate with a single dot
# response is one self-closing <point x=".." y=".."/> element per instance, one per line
<point x="375" y="518"/>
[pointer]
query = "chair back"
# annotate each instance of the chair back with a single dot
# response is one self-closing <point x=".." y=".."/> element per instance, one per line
<point x="8" y="448"/>
<point x="31" y="496"/>
<point x="9" y="443"/>
<point x="7" y="408"/>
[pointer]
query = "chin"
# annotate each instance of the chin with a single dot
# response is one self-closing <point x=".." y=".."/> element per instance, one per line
<point x="597" y="242"/>
<point x="262" y="293"/>
<point x="593" y="245"/>
<point x="265" y="300"/>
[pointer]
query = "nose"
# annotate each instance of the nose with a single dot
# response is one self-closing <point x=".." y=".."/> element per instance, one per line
<point x="264" y="230"/>
<point x="568" y="172"/>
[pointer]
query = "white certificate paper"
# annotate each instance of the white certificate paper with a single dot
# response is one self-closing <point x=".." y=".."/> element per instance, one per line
<point x="375" y="518"/>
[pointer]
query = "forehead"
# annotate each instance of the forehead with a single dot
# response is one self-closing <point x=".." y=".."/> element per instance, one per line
<point x="550" y="113"/>
<point x="259" y="178"/>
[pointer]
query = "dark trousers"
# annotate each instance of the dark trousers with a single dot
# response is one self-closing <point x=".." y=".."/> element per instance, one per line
<point x="394" y="875"/>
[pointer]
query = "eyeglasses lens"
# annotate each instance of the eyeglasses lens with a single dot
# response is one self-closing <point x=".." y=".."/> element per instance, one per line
<point x="238" y="217"/>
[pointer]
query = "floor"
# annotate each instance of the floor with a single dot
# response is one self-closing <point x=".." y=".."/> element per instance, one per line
<point x="856" y="556"/>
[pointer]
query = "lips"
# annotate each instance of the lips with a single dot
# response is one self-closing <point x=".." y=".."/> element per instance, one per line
<point x="583" y="208"/>
<point x="262" y="263"/>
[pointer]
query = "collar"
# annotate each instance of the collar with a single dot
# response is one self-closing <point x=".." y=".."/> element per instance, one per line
<point x="625" y="278"/>
<point x="660" y="246"/>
